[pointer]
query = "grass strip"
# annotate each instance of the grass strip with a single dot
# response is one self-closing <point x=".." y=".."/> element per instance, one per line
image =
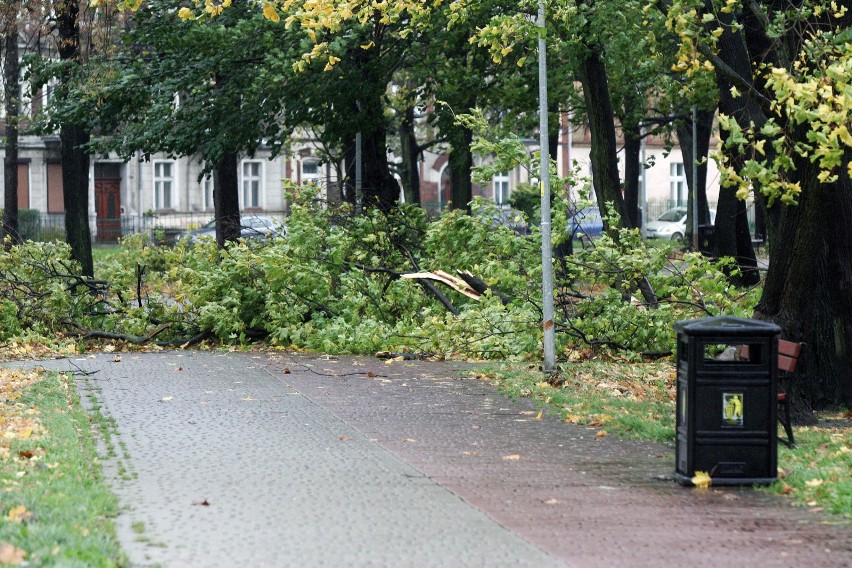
<point x="56" y="507"/>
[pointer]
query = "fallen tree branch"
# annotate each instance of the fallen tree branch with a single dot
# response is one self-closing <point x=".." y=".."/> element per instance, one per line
<point x="439" y="295"/>
<point x="481" y="287"/>
<point x="134" y="339"/>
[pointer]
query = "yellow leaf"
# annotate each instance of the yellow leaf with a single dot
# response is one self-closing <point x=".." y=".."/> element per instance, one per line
<point x="25" y="433"/>
<point x="18" y="514"/>
<point x="185" y="14"/>
<point x="270" y="13"/>
<point x="814" y="482"/>
<point x="538" y="416"/>
<point x="701" y="479"/>
<point x="513" y="457"/>
<point x="601" y="434"/>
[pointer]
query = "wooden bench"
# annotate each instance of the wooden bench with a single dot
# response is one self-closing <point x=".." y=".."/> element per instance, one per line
<point x="788" y="358"/>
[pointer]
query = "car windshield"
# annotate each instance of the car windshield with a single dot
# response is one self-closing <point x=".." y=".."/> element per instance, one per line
<point x="672" y="215"/>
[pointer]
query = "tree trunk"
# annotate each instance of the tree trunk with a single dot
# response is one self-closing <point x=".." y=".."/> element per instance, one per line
<point x="732" y="234"/>
<point x="632" y="169"/>
<point x="73" y="137"/>
<point x="75" y="183"/>
<point x="461" y="163"/>
<point x="226" y="199"/>
<point x="410" y="151"/>
<point x="808" y="288"/>
<point x="604" y="156"/>
<point x="12" y="89"/>
<point x="380" y="187"/>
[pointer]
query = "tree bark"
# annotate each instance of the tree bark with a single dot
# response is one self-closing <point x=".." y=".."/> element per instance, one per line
<point x="12" y="89"/>
<point x="410" y="151"/>
<point x="604" y="156"/>
<point x="73" y="138"/>
<point x="226" y="199"/>
<point x="632" y="169"/>
<point x="461" y="163"/>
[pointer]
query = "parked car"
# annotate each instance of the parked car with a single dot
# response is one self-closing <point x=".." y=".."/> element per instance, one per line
<point x="586" y="223"/>
<point x="671" y="224"/>
<point x="513" y="219"/>
<point x="251" y="227"/>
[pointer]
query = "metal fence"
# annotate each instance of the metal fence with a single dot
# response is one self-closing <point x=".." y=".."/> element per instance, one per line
<point x="164" y="227"/>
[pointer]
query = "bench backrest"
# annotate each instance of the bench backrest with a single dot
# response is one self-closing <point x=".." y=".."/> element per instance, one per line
<point x="788" y="354"/>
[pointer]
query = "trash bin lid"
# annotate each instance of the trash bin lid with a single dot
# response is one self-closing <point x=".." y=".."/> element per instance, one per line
<point x="726" y="325"/>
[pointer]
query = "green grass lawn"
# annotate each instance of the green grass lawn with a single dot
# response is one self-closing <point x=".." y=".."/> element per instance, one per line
<point x="101" y="251"/>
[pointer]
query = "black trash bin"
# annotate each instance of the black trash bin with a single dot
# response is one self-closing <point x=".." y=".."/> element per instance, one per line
<point x="726" y="400"/>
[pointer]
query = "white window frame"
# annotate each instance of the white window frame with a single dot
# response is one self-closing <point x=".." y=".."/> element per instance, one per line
<point x="678" y="189"/>
<point x="306" y="177"/>
<point x="501" y="185"/>
<point x="246" y="187"/>
<point x="207" y="192"/>
<point x="162" y="183"/>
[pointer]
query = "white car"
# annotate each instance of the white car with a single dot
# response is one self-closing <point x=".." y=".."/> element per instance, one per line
<point x="251" y="227"/>
<point x="671" y="224"/>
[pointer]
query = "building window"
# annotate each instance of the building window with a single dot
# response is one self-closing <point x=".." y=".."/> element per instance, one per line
<point x="251" y="183"/>
<point x="310" y="171"/>
<point x="164" y="181"/>
<point x="677" y="183"/>
<point x="207" y="192"/>
<point x="501" y="189"/>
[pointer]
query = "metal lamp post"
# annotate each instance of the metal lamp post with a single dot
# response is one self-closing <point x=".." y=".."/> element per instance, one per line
<point x="544" y="182"/>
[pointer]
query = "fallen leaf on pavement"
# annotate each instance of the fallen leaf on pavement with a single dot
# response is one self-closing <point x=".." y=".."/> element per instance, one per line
<point x="116" y="359"/>
<point x="814" y="482"/>
<point x="701" y="479"/>
<point x="345" y="438"/>
<point x="409" y="440"/>
<point x="166" y="398"/>
<point x="202" y="503"/>
<point x="513" y="457"/>
<point x="601" y="434"/>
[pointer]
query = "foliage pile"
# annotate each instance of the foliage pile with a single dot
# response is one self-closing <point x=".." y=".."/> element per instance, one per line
<point x="335" y="284"/>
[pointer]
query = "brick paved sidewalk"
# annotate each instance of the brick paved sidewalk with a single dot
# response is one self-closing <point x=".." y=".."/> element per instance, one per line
<point x="591" y="501"/>
<point x="229" y="459"/>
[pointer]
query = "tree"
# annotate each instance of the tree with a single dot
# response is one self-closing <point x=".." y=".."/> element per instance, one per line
<point x="787" y="143"/>
<point x="12" y="101"/>
<point x="74" y="137"/>
<point x="209" y="89"/>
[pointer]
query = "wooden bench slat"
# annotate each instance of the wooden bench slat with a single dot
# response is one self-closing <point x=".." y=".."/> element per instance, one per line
<point x="787" y="363"/>
<point x="789" y="348"/>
